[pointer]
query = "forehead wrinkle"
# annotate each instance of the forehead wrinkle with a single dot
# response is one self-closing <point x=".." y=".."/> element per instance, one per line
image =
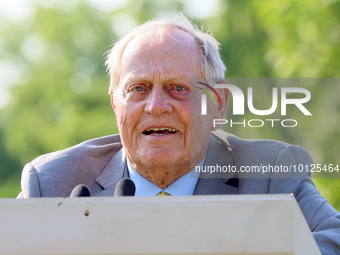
<point x="155" y="76"/>
<point x="159" y="69"/>
<point x="135" y="76"/>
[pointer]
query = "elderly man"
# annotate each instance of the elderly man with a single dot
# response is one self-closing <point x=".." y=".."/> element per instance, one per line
<point x="163" y="134"/>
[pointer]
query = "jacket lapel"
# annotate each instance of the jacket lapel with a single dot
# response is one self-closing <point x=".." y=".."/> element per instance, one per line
<point x="244" y="154"/>
<point x="114" y="171"/>
<point x="215" y="184"/>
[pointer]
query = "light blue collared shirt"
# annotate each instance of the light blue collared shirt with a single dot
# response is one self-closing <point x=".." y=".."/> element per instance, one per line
<point x="184" y="186"/>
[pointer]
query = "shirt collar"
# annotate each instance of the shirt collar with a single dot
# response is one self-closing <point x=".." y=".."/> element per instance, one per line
<point x="184" y="186"/>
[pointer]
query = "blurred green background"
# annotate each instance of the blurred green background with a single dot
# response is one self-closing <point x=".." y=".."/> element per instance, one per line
<point x="53" y="85"/>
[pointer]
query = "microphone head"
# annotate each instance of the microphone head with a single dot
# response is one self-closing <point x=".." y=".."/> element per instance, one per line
<point x="80" y="191"/>
<point x="125" y="187"/>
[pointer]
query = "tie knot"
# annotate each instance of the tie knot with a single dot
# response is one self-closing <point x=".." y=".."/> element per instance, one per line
<point x="163" y="194"/>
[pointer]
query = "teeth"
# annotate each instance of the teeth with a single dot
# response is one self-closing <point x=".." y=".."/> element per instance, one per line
<point x="161" y="129"/>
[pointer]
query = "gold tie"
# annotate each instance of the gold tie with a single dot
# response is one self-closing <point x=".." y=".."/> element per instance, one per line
<point x="163" y="194"/>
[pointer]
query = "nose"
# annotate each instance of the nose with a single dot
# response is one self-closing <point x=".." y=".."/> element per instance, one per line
<point x="158" y="102"/>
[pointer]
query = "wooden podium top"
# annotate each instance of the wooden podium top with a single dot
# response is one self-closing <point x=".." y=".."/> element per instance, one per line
<point x="233" y="224"/>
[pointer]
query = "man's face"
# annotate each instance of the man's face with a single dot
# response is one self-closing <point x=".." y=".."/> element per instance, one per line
<point x="152" y="103"/>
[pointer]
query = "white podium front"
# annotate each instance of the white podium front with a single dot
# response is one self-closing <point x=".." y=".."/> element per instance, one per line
<point x="234" y="224"/>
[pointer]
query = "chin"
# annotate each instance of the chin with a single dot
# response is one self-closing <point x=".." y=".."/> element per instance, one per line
<point x="162" y="158"/>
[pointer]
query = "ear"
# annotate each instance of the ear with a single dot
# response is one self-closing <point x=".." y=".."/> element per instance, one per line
<point x="112" y="102"/>
<point x="222" y="109"/>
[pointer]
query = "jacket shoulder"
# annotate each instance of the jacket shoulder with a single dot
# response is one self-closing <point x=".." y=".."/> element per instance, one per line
<point x="257" y="153"/>
<point x="57" y="173"/>
<point x="233" y="142"/>
<point x="100" y="149"/>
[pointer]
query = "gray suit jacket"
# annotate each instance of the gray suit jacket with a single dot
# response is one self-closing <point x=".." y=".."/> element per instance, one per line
<point x="100" y="163"/>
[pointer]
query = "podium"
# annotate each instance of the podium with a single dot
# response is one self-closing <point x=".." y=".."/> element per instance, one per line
<point x="232" y="224"/>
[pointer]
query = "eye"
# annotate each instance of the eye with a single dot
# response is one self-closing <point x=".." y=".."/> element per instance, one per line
<point x="179" y="88"/>
<point x="138" y="88"/>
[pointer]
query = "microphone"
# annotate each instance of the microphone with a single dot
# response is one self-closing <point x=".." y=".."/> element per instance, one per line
<point x="80" y="191"/>
<point x="125" y="187"/>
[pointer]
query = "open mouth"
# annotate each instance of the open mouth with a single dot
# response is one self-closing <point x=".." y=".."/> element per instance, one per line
<point x="160" y="131"/>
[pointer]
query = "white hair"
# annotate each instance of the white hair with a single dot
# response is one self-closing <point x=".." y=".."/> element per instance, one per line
<point x="212" y="64"/>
